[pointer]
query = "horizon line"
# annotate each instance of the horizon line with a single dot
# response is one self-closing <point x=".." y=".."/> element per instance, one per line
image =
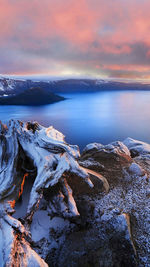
<point x="75" y="77"/>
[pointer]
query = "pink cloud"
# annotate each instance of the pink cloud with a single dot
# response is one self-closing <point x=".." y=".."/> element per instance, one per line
<point x="87" y="27"/>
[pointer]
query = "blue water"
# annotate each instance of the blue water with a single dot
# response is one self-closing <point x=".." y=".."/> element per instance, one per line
<point x="92" y="117"/>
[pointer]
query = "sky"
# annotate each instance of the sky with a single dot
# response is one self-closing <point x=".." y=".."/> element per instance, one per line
<point x="88" y="38"/>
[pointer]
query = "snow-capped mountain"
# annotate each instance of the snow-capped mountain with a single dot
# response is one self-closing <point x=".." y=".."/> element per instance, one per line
<point x="9" y="86"/>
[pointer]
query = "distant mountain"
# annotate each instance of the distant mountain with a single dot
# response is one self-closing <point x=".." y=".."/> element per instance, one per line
<point x="11" y="87"/>
<point x="14" y="86"/>
<point x="32" y="96"/>
<point x="89" y="85"/>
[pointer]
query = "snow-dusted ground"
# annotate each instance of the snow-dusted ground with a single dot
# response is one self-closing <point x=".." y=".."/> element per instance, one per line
<point x="130" y="194"/>
<point x="41" y="225"/>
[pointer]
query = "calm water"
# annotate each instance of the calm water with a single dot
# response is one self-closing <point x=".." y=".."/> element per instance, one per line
<point x="93" y="117"/>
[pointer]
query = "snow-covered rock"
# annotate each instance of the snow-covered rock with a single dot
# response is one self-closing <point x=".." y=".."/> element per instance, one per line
<point x="114" y="147"/>
<point x="137" y="148"/>
<point x="128" y="176"/>
<point x="113" y="158"/>
<point x="135" y="169"/>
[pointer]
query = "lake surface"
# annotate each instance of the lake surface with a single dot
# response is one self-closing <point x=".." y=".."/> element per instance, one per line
<point x="92" y="117"/>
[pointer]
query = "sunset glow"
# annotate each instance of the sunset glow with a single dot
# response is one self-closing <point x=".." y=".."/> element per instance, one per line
<point x="101" y="38"/>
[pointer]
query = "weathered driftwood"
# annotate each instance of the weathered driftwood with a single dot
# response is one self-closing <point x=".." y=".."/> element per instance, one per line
<point x="29" y="147"/>
<point x="50" y="155"/>
<point x="15" y="250"/>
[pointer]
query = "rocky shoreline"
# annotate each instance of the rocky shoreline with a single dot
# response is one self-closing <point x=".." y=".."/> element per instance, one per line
<point x="82" y="210"/>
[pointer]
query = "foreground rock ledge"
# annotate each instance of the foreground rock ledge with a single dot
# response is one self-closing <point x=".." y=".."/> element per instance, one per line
<point x="71" y="218"/>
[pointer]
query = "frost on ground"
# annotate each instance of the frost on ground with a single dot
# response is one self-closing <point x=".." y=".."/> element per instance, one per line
<point x="72" y="210"/>
<point x="129" y="190"/>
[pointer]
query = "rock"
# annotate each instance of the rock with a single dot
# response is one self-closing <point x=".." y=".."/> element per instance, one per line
<point x="91" y="163"/>
<point x="72" y="215"/>
<point x="140" y="152"/>
<point x="108" y="244"/>
<point x="135" y="169"/>
<point x="114" y="158"/>
<point x="129" y="193"/>
<point x="137" y="147"/>
<point x="115" y="147"/>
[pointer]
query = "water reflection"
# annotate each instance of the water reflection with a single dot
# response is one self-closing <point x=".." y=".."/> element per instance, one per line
<point x="92" y="117"/>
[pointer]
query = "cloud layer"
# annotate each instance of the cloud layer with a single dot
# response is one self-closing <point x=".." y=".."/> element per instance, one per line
<point x="86" y="37"/>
